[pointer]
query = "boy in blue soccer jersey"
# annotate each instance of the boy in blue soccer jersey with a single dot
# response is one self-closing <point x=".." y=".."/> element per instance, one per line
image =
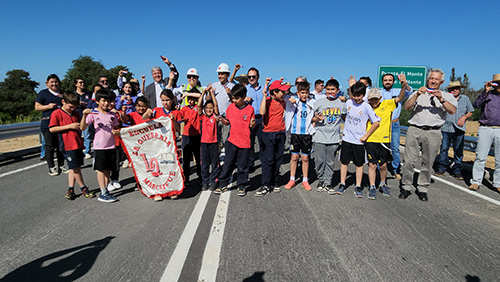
<point x="298" y="119"/>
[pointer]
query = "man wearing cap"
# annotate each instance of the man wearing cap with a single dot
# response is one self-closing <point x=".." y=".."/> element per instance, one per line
<point x="153" y="90"/>
<point x="192" y="89"/>
<point x="428" y="106"/>
<point x="489" y="132"/>
<point x="388" y="92"/>
<point x="453" y="131"/>
<point x="254" y="98"/>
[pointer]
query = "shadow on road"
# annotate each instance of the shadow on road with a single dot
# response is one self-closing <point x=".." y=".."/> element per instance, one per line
<point x="256" y="277"/>
<point x="471" y="278"/>
<point x="66" y="265"/>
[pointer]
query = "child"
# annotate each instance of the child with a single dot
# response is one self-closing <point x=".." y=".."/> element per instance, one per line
<point x="273" y="135"/>
<point x="141" y="106"/>
<point x="378" y="145"/>
<point x="66" y="122"/>
<point x="241" y="117"/>
<point x="209" y="144"/>
<point x="354" y="136"/>
<point x="328" y="113"/>
<point x="105" y="124"/>
<point x="298" y="118"/>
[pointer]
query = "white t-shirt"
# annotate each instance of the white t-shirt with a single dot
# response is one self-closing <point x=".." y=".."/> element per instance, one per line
<point x="355" y="121"/>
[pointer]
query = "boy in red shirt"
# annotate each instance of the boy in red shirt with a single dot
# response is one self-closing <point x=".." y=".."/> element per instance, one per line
<point x="191" y="136"/>
<point x="273" y="135"/>
<point x="241" y="117"/>
<point x="66" y="122"/>
<point x="209" y="145"/>
<point x="141" y="106"/>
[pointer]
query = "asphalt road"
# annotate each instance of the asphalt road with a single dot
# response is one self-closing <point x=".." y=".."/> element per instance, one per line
<point x="295" y="235"/>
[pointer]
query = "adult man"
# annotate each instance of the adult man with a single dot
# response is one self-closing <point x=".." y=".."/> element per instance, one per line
<point x="222" y="89"/>
<point x="317" y="93"/>
<point x="153" y="90"/>
<point x="390" y="93"/>
<point x="453" y="130"/>
<point x="192" y="89"/>
<point x="489" y="132"/>
<point x="254" y="98"/>
<point x="428" y="108"/>
<point x="84" y="97"/>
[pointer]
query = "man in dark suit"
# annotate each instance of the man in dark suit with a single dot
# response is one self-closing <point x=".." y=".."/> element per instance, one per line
<point x="153" y="90"/>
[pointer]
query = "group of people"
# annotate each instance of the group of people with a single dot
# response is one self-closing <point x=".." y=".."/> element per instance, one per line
<point x="219" y="124"/>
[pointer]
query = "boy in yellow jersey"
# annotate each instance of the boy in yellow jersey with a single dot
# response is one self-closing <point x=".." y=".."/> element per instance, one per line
<point x="378" y="145"/>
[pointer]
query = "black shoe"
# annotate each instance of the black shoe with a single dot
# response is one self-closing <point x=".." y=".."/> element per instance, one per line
<point x="211" y="186"/>
<point x="204" y="187"/>
<point x="241" y="190"/>
<point x="251" y="170"/>
<point x="422" y="197"/>
<point x="262" y="191"/>
<point x="404" y="194"/>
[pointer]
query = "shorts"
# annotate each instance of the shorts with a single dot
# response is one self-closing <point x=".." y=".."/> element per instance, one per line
<point x="352" y="152"/>
<point x="378" y="153"/>
<point x="301" y="144"/>
<point x="74" y="158"/>
<point x="105" y="160"/>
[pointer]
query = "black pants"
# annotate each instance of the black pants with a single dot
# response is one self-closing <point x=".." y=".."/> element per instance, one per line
<point x="233" y="155"/>
<point x="120" y="158"/>
<point x="273" y="144"/>
<point x="51" y="148"/>
<point x="191" y="146"/>
<point x="209" y="157"/>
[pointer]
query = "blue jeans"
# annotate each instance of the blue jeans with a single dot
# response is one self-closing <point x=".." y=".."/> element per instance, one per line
<point x="87" y="139"/>
<point x="442" y="161"/>
<point x="486" y="137"/>
<point x="396" y="155"/>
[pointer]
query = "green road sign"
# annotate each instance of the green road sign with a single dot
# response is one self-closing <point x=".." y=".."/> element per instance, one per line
<point x="415" y="75"/>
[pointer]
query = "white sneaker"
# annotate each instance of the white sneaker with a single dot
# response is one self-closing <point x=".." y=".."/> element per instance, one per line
<point x="125" y="164"/>
<point x="88" y="156"/>
<point x="116" y="184"/>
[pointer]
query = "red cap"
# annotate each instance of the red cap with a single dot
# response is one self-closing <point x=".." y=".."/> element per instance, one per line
<point x="277" y="84"/>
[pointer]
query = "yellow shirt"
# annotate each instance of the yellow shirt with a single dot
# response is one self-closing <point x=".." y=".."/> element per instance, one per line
<point x="383" y="132"/>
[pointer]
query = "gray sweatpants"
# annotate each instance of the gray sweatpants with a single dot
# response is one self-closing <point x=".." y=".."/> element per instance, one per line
<point x="418" y="140"/>
<point x="324" y="155"/>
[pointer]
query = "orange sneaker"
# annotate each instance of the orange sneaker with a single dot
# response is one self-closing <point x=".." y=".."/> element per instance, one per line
<point x="306" y="185"/>
<point x="290" y="184"/>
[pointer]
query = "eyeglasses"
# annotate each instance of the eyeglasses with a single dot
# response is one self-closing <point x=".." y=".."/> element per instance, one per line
<point x="252" y="76"/>
<point x="81" y="82"/>
<point x="192" y="76"/>
<point x="453" y="89"/>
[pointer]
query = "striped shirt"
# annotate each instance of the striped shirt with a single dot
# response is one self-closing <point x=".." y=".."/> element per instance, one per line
<point x="464" y="107"/>
<point x="302" y="118"/>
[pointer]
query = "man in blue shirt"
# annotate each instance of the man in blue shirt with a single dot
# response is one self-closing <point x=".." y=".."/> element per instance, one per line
<point x="390" y="93"/>
<point x="254" y="98"/>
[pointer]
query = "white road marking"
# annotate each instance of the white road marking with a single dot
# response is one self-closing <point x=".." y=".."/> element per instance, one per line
<point x="176" y="263"/>
<point x="466" y="190"/>
<point x="210" y="262"/>
<point x="22" y="169"/>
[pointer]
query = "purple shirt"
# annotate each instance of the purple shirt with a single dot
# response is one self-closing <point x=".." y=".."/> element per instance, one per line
<point x="490" y="108"/>
<point x="103" y="124"/>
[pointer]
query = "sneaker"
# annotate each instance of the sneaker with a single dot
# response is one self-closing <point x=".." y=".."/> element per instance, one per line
<point x="262" y="191"/>
<point x="320" y="187"/>
<point x="439" y="173"/>
<point x="220" y="190"/>
<point x="474" y="187"/>
<point x="290" y="184"/>
<point x="458" y="176"/>
<point x="70" y="195"/>
<point x="158" y="198"/>
<point x="204" y="187"/>
<point x="53" y="171"/>
<point x="306" y="185"/>
<point x="385" y="190"/>
<point x="88" y="156"/>
<point x="358" y="192"/>
<point x="372" y="193"/>
<point x="174" y="197"/>
<point x="398" y="176"/>
<point x="87" y="194"/>
<point x="329" y="189"/>
<point x="116" y="184"/>
<point x="276" y="189"/>
<point x="211" y="186"/>
<point x="241" y="190"/>
<point x="63" y="169"/>
<point x="340" y="190"/>
<point x="106" y="198"/>
<point x="125" y="164"/>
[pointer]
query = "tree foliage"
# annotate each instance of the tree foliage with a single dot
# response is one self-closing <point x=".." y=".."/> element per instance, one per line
<point x="88" y="69"/>
<point x="18" y="95"/>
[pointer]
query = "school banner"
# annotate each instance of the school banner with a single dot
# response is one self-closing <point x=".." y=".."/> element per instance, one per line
<point x="152" y="151"/>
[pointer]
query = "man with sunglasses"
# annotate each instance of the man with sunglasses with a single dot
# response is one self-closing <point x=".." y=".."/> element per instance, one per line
<point x="428" y="106"/>
<point x="453" y="131"/>
<point x="192" y="89"/>
<point x="489" y="132"/>
<point x="153" y="90"/>
<point x="254" y="98"/>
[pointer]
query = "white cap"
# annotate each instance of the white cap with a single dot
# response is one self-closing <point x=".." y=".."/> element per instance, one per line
<point x="193" y="71"/>
<point x="223" y="68"/>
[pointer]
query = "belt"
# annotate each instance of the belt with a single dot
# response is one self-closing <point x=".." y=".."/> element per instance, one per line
<point x="258" y="116"/>
<point x="425" y="127"/>
<point x="45" y="118"/>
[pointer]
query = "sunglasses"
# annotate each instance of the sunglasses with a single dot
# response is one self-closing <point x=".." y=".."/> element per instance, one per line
<point x="252" y="76"/>
<point x="191" y="76"/>
<point x="103" y="81"/>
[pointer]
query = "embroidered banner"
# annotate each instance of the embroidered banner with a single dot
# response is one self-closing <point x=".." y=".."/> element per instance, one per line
<point x="152" y="151"/>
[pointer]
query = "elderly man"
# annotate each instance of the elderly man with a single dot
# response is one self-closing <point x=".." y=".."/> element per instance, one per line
<point x="153" y="90"/>
<point x="428" y="108"/>
<point x="453" y="131"/>
<point x="388" y="92"/>
<point x="488" y="133"/>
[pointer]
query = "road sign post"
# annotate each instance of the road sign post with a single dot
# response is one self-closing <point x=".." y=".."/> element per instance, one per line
<point x="415" y="75"/>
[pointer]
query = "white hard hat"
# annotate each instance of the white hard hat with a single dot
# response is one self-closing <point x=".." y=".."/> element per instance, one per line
<point x="193" y="71"/>
<point x="223" y="68"/>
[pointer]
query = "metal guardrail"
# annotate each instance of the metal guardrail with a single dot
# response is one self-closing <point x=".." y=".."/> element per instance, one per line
<point x="19" y="130"/>
<point x="470" y="142"/>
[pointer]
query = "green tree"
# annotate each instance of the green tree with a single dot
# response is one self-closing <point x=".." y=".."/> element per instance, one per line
<point x="467" y="90"/>
<point x="18" y="95"/>
<point x="84" y="67"/>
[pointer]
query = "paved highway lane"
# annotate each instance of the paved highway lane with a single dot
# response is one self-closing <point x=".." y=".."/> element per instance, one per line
<point x="295" y="235"/>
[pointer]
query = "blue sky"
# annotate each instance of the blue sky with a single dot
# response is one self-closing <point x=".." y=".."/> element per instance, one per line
<point x="312" y="38"/>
